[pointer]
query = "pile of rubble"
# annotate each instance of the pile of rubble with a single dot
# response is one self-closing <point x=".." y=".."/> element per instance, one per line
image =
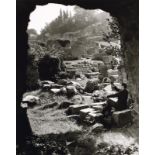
<point x="78" y="108"/>
<point x="97" y="86"/>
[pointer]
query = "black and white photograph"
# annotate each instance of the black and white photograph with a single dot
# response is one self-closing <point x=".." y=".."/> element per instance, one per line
<point x="77" y="77"/>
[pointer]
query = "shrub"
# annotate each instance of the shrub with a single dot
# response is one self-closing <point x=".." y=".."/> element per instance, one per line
<point x="48" y="67"/>
<point x="91" y="86"/>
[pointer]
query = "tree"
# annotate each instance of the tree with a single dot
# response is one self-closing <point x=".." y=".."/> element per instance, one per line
<point x="65" y="22"/>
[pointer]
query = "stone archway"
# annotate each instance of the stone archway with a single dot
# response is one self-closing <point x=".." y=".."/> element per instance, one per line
<point x="127" y="13"/>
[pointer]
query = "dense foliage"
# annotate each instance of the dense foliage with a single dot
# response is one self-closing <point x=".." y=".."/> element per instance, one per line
<point x="66" y="22"/>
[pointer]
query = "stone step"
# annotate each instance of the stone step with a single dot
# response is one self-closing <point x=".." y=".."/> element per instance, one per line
<point x="75" y="109"/>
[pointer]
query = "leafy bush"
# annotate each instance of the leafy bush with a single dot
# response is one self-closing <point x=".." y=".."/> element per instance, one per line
<point x="91" y="86"/>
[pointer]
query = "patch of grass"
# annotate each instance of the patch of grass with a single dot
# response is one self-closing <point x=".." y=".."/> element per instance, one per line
<point x="51" y="121"/>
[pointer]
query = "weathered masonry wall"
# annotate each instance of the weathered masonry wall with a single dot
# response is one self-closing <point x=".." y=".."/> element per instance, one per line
<point x="127" y="13"/>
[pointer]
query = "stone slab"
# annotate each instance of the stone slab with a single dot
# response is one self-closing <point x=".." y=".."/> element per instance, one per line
<point x="85" y="112"/>
<point x="75" y="109"/>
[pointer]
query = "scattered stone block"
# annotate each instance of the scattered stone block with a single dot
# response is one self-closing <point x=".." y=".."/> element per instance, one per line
<point x="98" y="108"/>
<point x="75" y="109"/>
<point x="73" y="116"/>
<point x="97" y="128"/>
<point x="96" y="116"/>
<point x="98" y="96"/>
<point x="24" y="105"/>
<point x="97" y="93"/>
<point x="77" y="99"/>
<point x="76" y="84"/>
<point x="85" y="112"/>
<point x="121" y="118"/>
<point x="55" y="91"/>
<point x="46" y="87"/>
<point x="30" y="101"/>
<point x="87" y="99"/>
<point x="57" y="86"/>
<point x="78" y="79"/>
<point x="113" y="99"/>
<point x="63" y="90"/>
<point x="46" y="82"/>
<point x="71" y="91"/>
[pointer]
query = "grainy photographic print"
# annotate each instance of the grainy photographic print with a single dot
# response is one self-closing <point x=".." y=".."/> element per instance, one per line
<point x="77" y="77"/>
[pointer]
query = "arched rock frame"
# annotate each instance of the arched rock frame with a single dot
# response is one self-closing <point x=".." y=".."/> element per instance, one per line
<point x="127" y="13"/>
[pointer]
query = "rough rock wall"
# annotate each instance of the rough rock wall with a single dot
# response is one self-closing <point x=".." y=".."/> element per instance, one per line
<point x="126" y="11"/>
<point x="129" y="30"/>
<point x="22" y="19"/>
